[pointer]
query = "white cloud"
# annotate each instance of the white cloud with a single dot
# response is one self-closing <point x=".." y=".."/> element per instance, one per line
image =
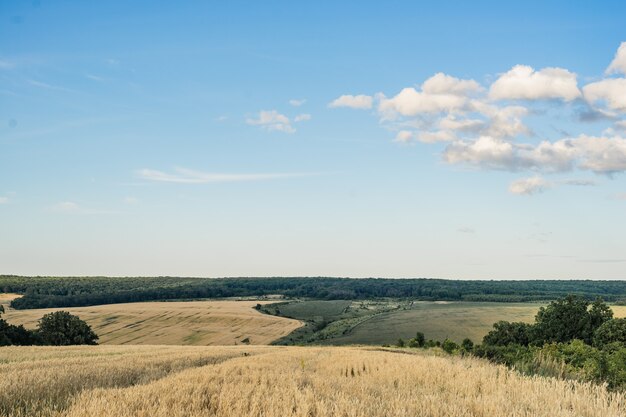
<point x="602" y="155"/>
<point x="297" y="102"/>
<point x="435" y="136"/>
<point x="611" y="91"/>
<point x="273" y="121"/>
<point x="360" y="101"/>
<point x="4" y="200"/>
<point x="410" y="102"/>
<point x="619" y="62"/>
<point x="528" y="186"/>
<point x="485" y="152"/>
<point x="441" y="83"/>
<point x="404" y="136"/>
<point x="302" y="117"/>
<point x="502" y="122"/>
<point x="188" y="176"/>
<point x="452" y="122"/>
<point x="523" y="82"/>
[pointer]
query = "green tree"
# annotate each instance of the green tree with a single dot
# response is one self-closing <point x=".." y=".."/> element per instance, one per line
<point x="467" y="344"/>
<point x="420" y="339"/>
<point x="62" y="328"/>
<point x="611" y="331"/>
<point x="506" y="333"/>
<point x="400" y="342"/>
<point x="570" y="318"/>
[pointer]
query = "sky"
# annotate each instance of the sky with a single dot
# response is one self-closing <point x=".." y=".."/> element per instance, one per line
<point x="461" y="140"/>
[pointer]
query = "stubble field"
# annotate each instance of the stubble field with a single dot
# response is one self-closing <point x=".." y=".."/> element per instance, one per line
<point x="174" y="323"/>
<point x="156" y="381"/>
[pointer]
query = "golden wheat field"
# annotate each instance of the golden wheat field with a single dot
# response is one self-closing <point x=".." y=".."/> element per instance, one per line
<point x="272" y="381"/>
<point x="173" y="323"/>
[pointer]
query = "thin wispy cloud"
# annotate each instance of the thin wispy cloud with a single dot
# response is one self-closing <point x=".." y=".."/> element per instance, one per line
<point x="188" y="176"/>
<point x="297" y="102"/>
<point x="4" y="200"/>
<point x="71" y="207"/>
<point x="6" y="64"/>
<point x="529" y="186"/>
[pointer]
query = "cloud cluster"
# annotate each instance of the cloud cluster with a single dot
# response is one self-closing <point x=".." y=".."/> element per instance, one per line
<point x="485" y="127"/>
<point x="603" y="155"/>
<point x="272" y="120"/>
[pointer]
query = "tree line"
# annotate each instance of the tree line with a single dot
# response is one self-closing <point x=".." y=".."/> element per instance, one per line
<point x="47" y="292"/>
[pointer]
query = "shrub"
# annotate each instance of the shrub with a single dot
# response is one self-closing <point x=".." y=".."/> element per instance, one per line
<point x="449" y="346"/>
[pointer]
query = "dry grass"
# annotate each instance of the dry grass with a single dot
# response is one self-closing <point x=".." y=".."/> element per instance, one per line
<point x="278" y="381"/>
<point x="173" y="323"/>
<point x="6" y="298"/>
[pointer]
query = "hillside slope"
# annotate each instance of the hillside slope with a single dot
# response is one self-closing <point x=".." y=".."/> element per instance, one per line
<point x="173" y="323"/>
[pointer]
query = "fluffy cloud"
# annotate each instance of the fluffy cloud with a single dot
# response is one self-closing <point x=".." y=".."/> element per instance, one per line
<point x="502" y="122"/>
<point x="528" y="186"/>
<point x="619" y="62"/>
<point x="523" y="82"/>
<point x="435" y="136"/>
<point x="441" y="83"/>
<point x="611" y="91"/>
<point x="601" y="154"/>
<point x="273" y="121"/>
<point x="410" y="102"/>
<point x="360" y="101"/>
<point x="439" y="93"/>
<point x="598" y="154"/>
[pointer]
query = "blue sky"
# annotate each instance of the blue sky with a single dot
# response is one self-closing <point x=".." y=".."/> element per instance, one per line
<point x="395" y="139"/>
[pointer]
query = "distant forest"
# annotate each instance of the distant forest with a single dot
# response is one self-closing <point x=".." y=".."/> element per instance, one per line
<point x="44" y="292"/>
